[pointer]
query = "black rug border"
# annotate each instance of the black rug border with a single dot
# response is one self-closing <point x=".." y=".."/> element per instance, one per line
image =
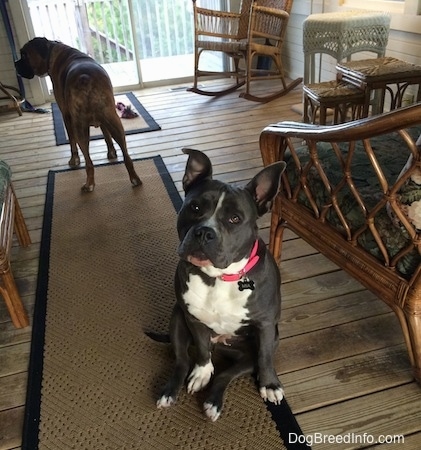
<point x="60" y="132"/>
<point x="281" y="414"/>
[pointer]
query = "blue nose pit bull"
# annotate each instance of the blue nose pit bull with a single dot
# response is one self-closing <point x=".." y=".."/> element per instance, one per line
<point x="227" y="286"/>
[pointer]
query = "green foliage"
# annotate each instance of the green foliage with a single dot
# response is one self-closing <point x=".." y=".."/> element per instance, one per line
<point x="162" y="28"/>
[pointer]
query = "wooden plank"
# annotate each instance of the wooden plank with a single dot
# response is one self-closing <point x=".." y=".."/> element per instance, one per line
<point x="317" y="287"/>
<point x="306" y="350"/>
<point x="14" y="358"/>
<point x="330" y="312"/>
<point x="340" y="380"/>
<point x="9" y="335"/>
<point x="296" y="248"/>
<point x="13" y="390"/>
<point x="398" y="412"/>
<point x="411" y="442"/>
<point x="308" y="266"/>
<point x="11" y="423"/>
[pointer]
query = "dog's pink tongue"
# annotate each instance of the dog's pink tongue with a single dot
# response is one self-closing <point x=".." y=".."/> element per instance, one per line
<point x="198" y="261"/>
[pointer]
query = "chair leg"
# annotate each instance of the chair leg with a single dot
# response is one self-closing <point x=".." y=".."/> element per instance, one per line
<point x="13" y="301"/>
<point x="414" y="328"/>
<point x="198" y="73"/>
<point x="279" y="74"/>
<point x="276" y="232"/>
<point x="411" y="315"/>
<point x="8" y="288"/>
<point x="14" y="100"/>
<point x="19" y="223"/>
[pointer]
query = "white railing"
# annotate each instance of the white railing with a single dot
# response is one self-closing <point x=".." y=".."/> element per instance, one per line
<point x="105" y="29"/>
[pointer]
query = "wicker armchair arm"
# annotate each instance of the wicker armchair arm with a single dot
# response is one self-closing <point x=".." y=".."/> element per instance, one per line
<point x="270" y="11"/>
<point x="350" y="131"/>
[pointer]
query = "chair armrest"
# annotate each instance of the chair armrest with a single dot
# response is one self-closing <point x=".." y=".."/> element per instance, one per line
<point x="264" y="10"/>
<point x="350" y="131"/>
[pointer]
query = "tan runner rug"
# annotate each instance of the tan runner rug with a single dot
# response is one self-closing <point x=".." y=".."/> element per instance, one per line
<point x="106" y="273"/>
<point x="142" y="123"/>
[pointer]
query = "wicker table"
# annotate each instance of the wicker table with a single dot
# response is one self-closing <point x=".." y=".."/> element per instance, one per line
<point x="341" y="34"/>
<point x="344" y="99"/>
<point x="384" y="74"/>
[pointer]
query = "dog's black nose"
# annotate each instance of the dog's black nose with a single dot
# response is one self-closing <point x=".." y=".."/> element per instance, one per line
<point x="205" y="234"/>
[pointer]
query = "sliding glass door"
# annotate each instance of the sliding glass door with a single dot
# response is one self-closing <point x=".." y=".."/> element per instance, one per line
<point x="137" y="41"/>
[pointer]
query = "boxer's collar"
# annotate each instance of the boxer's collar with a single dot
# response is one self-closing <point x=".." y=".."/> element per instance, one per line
<point x="252" y="261"/>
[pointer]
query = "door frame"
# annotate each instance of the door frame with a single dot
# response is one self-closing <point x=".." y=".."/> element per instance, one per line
<point x="24" y="31"/>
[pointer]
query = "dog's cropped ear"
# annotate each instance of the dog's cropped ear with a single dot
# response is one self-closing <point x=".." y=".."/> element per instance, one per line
<point x="198" y="168"/>
<point x="42" y="46"/>
<point x="265" y="185"/>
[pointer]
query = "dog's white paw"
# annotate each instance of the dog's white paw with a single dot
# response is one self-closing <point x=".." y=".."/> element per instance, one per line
<point x="211" y="411"/>
<point x="200" y="377"/>
<point x="136" y="181"/>
<point x="88" y="187"/>
<point x="74" y="161"/>
<point x="272" y="395"/>
<point x="165" y="402"/>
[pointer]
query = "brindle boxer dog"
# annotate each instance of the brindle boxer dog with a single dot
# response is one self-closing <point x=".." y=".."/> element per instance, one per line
<point x="84" y="94"/>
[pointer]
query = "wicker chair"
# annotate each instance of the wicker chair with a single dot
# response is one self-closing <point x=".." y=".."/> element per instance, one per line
<point x="358" y="201"/>
<point x="11" y="222"/>
<point x="257" y="30"/>
<point x="14" y="102"/>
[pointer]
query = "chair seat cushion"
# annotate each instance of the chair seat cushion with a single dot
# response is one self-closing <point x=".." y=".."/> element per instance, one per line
<point x="357" y="207"/>
<point x="5" y="176"/>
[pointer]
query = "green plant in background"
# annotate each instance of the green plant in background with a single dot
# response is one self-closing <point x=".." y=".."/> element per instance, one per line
<point x="161" y="27"/>
<point x="110" y="30"/>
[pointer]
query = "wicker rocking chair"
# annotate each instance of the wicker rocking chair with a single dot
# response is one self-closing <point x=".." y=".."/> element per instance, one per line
<point x="257" y="30"/>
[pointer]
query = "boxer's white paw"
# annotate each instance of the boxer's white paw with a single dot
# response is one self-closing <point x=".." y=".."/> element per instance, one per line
<point x="272" y="395"/>
<point x="200" y="377"/>
<point x="136" y="181"/>
<point x="165" y="402"/>
<point x="88" y="187"/>
<point x="74" y="161"/>
<point x="211" y="411"/>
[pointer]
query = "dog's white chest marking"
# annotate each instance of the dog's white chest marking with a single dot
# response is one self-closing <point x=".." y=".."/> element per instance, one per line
<point x="221" y="307"/>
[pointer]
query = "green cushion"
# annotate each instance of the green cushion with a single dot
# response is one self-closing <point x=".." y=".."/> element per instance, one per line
<point x="5" y="175"/>
<point x="392" y="156"/>
<point x="410" y="202"/>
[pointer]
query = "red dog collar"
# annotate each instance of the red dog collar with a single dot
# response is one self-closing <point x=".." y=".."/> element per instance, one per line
<point x="252" y="261"/>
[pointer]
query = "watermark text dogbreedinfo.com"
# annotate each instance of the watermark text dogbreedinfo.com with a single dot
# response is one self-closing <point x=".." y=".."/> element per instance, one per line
<point x="349" y="438"/>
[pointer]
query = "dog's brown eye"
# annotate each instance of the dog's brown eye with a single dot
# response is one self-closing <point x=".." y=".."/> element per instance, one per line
<point x="234" y="219"/>
<point x="195" y="207"/>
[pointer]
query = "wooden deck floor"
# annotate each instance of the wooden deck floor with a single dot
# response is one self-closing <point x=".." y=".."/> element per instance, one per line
<point x="343" y="361"/>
